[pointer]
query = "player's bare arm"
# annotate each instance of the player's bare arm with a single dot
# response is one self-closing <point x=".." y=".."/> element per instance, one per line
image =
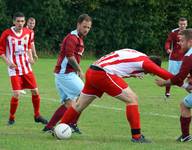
<point x="29" y="53"/>
<point x="76" y="66"/>
<point x="8" y="62"/>
<point x="34" y="51"/>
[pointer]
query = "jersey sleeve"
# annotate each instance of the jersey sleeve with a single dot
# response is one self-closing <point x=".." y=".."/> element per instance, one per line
<point x="30" y="41"/>
<point x="151" y="67"/>
<point x="183" y="72"/>
<point x="32" y="36"/>
<point x="169" y="41"/>
<point x="3" y="43"/>
<point x="70" y="46"/>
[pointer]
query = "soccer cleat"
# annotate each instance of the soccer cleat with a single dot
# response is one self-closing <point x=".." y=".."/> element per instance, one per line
<point x="40" y="119"/>
<point x="48" y="130"/>
<point x="142" y="139"/>
<point x="184" y="139"/>
<point x="167" y="95"/>
<point x="10" y="122"/>
<point x="75" y="129"/>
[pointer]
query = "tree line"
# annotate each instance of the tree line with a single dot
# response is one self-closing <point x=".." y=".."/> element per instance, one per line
<point x="138" y="24"/>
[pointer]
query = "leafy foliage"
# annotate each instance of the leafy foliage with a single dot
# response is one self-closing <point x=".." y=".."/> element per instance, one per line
<point x="139" y="24"/>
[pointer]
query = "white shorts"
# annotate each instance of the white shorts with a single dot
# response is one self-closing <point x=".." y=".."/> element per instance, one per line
<point x="68" y="85"/>
<point x="174" y="66"/>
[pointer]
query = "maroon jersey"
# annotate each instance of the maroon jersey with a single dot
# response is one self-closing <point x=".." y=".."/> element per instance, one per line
<point x="185" y="69"/>
<point x="172" y="43"/>
<point x="72" y="45"/>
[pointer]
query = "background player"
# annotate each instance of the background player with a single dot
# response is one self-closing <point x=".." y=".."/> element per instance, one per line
<point x="15" y="50"/>
<point x="173" y="48"/>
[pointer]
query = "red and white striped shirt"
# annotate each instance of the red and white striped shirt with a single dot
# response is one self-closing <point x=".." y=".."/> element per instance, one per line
<point x="129" y="62"/>
<point x="15" y="47"/>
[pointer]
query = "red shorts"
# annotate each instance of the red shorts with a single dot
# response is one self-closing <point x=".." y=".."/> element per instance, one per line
<point x="26" y="81"/>
<point x="98" y="82"/>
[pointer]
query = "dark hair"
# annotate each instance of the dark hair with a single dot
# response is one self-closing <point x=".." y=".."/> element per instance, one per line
<point x="156" y="60"/>
<point x="83" y="17"/>
<point x="182" y="19"/>
<point x="31" y="18"/>
<point x="187" y="33"/>
<point x="18" y="14"/>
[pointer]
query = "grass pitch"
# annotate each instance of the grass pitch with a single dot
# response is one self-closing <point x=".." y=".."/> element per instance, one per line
<point x="103" y="124"/>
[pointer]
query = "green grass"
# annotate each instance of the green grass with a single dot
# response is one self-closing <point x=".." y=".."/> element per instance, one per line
<point x="103" y="124"/>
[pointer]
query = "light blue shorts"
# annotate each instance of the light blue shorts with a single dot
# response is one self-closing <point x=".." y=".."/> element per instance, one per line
<point x="188" y="100"/>
<point x="174" y="66"/>
<point x="69" y="86"/>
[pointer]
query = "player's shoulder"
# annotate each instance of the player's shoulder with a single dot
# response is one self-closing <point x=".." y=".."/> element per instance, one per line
<point x="27" y="30"/>
<point x="73" y="35"/>
<point x="6" y="32"/>
<point x="175" y="30"/>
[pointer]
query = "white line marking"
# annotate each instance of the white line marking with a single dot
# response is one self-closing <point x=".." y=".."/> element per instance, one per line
<point x="105" y="107"/>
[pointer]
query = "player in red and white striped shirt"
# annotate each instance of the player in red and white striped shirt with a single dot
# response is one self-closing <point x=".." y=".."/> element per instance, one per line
<point x="106" y="75"/>
<point x="15" y="50"/>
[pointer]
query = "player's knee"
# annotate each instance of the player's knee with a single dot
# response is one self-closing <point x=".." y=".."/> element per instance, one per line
<point x="78" y="107"/>
<point x="133" y="99"/>
<point x="34" y="92"/>
<point x="16" y="95"/>
<point x="68" y="103"/>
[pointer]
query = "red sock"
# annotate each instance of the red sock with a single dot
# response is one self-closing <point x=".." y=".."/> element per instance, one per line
<point x="56" y="116"/>
<point x="69" y="115"/>
<point x="185" y="124"/>
<point x="13" y="107"/>
<point x="75" y="120"/>
<point x="36" y="105"/>
<point x="133" y="116"/>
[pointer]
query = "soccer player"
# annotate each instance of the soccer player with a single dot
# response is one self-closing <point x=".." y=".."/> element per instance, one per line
<point x="173" y="48"/>
<point x="106" y="75"/>
<point x="31" y="25"/>
<point x="178" y="79"/>
<point x="15" y="50"/>
<point x="31" y="22"/>
<point x="68" y="72"/>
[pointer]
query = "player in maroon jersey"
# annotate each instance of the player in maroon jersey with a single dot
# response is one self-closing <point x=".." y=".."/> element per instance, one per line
<point x="178" y="79"/>
<point x="15" y="50"/>
<point x="68" y="72"/>
<point x="173" y="48"/>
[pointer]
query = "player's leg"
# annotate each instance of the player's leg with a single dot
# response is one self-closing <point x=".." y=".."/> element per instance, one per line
<point x="185" y="119"/>
<point x="168" y="87"/>
<point x="119" y="89"/>
<point x="36" y="107"/>
<point x="13" y="106"/>
<point x="14" y="102"/>
<point x="75" y="110"/>
<point x="29" y="82"/>
<point x="69" y="87"/>
<point x="88" y="94"/>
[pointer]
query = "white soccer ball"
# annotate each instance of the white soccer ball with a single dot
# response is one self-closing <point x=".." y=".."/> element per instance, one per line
<point x="63" y="131"/>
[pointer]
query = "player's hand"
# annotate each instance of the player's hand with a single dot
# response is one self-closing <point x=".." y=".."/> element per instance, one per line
<point x="160" y="82"/>
<point x="169" y="51"/>
<point x="31" y="61"/>
<point x="189" y="88"/>
<point x="81" y="74"/>
<point x="35" y="57"/>
<point x="12" y="65"/>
